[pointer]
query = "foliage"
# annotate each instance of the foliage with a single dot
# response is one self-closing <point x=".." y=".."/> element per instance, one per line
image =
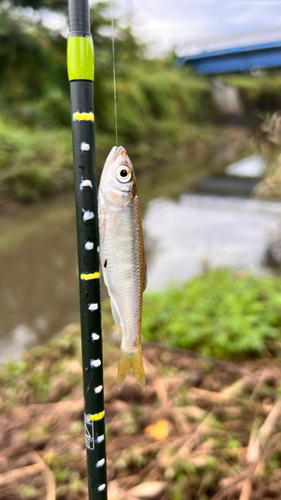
<point x="160" y="107"/>
<point x="39" y="4"/>
<point x="261" y="94"/>
<point x="35" y="90"/>
<point x="221" y="314"/>
<point x="34" y="164"/>
<point x="165" y="113"/>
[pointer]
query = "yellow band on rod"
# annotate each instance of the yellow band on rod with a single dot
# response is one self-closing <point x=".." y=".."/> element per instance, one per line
<point x="90" y="276"/>
<point x="97" y="416"/>
<point x="84" y="117"/>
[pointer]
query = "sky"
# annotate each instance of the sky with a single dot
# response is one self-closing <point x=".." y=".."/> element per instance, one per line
<point x="180" y="24"/>
<point x="190" y="26"/>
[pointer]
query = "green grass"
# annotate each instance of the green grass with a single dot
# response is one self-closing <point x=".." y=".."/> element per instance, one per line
<point x="34" y="162"/>
<point x="222" y="314"/>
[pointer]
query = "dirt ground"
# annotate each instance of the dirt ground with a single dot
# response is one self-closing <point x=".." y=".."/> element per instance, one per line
<point x="202" y="429"/>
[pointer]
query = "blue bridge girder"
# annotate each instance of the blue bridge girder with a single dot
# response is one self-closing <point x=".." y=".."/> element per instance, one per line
<point x="235" y="60"/>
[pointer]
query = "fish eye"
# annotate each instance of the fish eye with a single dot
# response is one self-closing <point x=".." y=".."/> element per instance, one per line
<point x="123" y="174"/>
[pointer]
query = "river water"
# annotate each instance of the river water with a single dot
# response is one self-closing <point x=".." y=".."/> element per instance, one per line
<point x="183" y="235"/>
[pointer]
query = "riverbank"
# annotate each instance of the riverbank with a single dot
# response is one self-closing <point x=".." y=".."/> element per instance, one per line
<point x="203" y="428"/>
<point x="38" y="164"/>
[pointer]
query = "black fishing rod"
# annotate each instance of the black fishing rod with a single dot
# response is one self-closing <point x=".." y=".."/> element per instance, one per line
<point x="80" y="62"/>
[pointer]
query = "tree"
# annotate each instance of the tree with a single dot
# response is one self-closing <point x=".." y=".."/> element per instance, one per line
<point x="57" y="5"/>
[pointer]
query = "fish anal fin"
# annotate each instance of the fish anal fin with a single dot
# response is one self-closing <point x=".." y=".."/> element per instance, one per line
<point x="130" y="361"/>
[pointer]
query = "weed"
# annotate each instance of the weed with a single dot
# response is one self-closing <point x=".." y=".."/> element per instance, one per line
<point x="220" y="314"/>
<point x="28" y="492"/>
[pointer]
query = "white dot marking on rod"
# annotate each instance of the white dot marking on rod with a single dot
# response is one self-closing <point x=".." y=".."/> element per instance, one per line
<point x="100" y="438"/>
<point x="86" y="183"/>
<point x="85" y="146"/>
<point x="101" y="462"/>
<point x="95" y="363"/>
<point x="93" y="307"/>
<point x="98" y="389"/>
<point x="95" y="336"/>
<point x="98" y="249"/>
<point x="87" y="215"/>
<point x="89" y="245"/>
<point x="101" y="487"/>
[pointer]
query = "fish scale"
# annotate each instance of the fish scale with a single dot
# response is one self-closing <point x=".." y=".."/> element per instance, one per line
<point x="122" y="282"/>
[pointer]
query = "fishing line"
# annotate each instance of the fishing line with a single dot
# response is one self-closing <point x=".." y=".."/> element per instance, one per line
<point x="114" y="73"/>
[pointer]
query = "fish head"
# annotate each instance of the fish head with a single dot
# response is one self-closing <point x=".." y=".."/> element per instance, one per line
<point x="118" y="182"/>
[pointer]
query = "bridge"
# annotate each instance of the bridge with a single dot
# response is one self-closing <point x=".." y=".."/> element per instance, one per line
<point x="250" y="58"/>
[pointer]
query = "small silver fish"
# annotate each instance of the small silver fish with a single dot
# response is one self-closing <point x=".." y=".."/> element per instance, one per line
<point x="122" y="256"/>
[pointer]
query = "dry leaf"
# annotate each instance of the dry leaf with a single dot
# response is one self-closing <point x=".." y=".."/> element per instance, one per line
<point x="253" y="451"/>
<point x="147" y="490"/>
<point x="208" y="445"/>
<point x="192" y="411"/>
<point x="161" y="390"/>
<point x="212" y="396"/>
<point x="246" y="490"/>
<point x="269" y="423"/>
<point x="237" y="387"/>
<point x="113" y="490"/>
<point x="158" y="431"/>
<point x="234" y="425"/>
<point x="199" y="462"/>
<point x="225" y="482"/>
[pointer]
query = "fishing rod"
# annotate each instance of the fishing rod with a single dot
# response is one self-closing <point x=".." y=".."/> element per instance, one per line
<point x="80" y="62"/>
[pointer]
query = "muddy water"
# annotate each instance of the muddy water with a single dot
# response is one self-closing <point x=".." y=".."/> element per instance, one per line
<point x="38" y="272"/>
<point x="199" y="232"/>
<point x="38" y="264"/>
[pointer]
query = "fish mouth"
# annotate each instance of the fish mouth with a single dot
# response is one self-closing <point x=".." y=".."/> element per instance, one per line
<point x="121" y="156"/>
<point x="120" y="151"/>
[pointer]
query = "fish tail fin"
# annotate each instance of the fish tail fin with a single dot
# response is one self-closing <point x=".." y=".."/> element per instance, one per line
<point x="130" y="360"/>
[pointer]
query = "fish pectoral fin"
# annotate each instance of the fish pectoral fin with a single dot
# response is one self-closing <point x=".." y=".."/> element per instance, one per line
<point x="102" y="217"/>
<point x="130" y="360"/>
<point x="115" y="313"/>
